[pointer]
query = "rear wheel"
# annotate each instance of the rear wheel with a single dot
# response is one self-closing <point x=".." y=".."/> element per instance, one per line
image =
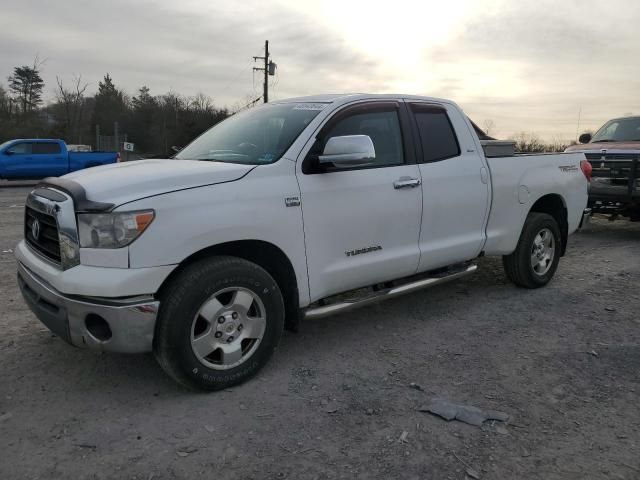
<point x="220" y="321"/>
<point x="535" y="259"/>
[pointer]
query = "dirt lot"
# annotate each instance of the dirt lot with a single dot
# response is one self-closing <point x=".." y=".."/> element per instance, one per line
<point x="563" y="361"/>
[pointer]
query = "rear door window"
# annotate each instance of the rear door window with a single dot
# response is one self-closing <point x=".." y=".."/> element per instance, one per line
<point x="49" y="148"/>
<point x="437" y="137"/>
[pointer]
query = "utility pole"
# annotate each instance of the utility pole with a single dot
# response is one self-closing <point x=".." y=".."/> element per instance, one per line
<point x="268" y="69"/>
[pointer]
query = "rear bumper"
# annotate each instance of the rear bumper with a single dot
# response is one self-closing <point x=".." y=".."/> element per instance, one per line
<point x="115" y="325"/>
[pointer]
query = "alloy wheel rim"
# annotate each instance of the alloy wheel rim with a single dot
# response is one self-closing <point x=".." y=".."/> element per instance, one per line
<point x="228" y="328"/>
<point x="543" y="251"/>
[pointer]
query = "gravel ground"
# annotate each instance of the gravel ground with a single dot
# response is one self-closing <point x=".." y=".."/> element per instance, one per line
<point x="336" y="400"/>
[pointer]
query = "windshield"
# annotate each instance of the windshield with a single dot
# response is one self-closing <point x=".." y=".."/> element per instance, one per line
<point x="254" y="137"/>
<point x="621" y="130"/>
<point x="5" y="144"/>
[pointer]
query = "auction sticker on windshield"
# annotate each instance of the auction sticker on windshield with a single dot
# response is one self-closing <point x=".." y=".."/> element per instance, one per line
<point x="309" y="106"/>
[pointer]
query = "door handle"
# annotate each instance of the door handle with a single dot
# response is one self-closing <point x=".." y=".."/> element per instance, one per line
<point x="484" y="176"/>
<point x="406" y="182"/>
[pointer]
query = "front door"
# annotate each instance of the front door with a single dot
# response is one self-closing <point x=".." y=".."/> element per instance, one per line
<point x="362" y="225"/>
<point x="18" y="160"/>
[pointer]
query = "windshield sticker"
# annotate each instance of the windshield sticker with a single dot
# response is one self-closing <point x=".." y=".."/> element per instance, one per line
<point x="310" y="106"/>
<point x="267" y="158"/>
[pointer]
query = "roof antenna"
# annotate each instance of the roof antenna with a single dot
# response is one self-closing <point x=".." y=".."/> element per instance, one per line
<point x="578" y="127"/>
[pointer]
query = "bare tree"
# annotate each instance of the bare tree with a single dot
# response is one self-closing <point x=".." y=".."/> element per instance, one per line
<point x="6" y="104"/>
<point x="488" y="126"/>
<point x="201" y="103"/>
<point x="71" y="102"/>
<point x="528" y="143"/>
<point x="557" y="144"/>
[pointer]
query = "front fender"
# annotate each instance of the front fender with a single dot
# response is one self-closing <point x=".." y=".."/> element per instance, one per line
<point x="253" y="208"/>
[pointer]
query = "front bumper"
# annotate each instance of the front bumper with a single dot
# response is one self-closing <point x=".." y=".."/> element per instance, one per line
<point x="116" y="325"/>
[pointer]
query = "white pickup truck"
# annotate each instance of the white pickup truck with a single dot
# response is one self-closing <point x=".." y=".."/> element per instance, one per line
<point x="268" y="216"/>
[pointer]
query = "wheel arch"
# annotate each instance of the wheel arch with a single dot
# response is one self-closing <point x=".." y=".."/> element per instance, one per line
<point x="262" y="253"/>
<point x="555" y="205"/>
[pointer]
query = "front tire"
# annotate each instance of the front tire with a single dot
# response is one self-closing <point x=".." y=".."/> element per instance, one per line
<point x="220" y="320"/>
<point x="535" y="259"/>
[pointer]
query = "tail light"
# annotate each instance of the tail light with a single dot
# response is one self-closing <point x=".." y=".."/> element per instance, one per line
<point x="586" y="168"/>
<point x="118" y="158"/>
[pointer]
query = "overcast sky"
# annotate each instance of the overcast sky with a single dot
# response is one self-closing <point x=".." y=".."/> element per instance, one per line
<point x="526" y="65"/>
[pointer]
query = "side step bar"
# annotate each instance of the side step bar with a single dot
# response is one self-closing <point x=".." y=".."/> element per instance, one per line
<point x="325" y="310"/>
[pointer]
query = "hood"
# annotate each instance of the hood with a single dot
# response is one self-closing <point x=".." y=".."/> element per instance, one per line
<point x="598" y="146"/>
<point x="119" y="183"/>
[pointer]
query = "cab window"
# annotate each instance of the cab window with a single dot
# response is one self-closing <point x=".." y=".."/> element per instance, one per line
<point x="437" y="137"/>
<point x="383" y="127"/>
<point x="50" y="148"/>
<point x="20" y="149"/>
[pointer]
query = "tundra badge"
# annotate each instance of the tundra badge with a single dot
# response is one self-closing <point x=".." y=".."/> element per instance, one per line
<point x="292" y="201"/>
<point x="359" y="251"/>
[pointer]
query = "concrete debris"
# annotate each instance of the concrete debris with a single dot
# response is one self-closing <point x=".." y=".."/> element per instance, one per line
<point x="502" y="430"/>
<point x="463" y="413"/>
<point x="473" y="474"/>
<point x="331" y="408"/>
<point x="185" y="452"/>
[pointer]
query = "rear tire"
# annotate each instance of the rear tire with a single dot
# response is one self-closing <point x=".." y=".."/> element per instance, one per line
<point x="220" y="321"/>
<point x="535" y="259"/>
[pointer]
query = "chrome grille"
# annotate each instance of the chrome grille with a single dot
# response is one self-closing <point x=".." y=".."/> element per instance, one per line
<point x="620" y="169"/>
<point x="47" y="242"/>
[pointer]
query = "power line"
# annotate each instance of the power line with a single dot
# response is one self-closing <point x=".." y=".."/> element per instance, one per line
<point x="250" y="104"/>
<point x="235" y="78"/>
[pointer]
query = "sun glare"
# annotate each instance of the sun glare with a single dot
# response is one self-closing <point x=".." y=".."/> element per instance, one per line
<point x="399" y="34"/>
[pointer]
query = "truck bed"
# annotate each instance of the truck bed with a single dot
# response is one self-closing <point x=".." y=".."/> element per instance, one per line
<point x="518" y="181"/>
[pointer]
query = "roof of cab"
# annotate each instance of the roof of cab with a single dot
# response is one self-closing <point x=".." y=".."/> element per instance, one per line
<point x="343" y="97"/>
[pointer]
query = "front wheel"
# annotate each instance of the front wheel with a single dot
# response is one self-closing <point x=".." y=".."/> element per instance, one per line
<point x="535" y="259"/>
<point x="220" y="320"/>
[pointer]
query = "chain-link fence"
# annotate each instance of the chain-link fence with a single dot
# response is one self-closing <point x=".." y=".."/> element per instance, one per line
<point x="110" y="143"/>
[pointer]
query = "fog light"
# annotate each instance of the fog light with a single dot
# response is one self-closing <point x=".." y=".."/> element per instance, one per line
<point x="98" y="327"/>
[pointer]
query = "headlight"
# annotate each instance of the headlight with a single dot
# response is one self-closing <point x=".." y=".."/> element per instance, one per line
<point x="112" y="230"/>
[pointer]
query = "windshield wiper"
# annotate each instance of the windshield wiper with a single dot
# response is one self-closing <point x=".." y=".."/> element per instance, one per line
<point x="223" y="156"/>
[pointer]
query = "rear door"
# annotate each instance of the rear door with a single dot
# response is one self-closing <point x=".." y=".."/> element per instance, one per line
<point x="362" y="224"/>
<point x="455" y="191"/>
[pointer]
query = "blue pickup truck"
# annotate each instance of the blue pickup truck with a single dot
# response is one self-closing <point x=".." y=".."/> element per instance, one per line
<point x="27" y="159"/>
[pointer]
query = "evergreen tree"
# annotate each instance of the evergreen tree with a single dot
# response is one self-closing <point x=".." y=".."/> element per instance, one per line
<point x="110" y="107"/>
<point x="26" y="85"/>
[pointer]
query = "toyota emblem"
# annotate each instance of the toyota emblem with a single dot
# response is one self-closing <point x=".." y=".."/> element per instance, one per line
<point x="35" y="229"/>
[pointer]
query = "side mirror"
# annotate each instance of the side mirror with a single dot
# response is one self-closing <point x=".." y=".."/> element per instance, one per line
<point x="8" y="152"/>
<point x="348" y="151"/>
<point x="584" y="138"/>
